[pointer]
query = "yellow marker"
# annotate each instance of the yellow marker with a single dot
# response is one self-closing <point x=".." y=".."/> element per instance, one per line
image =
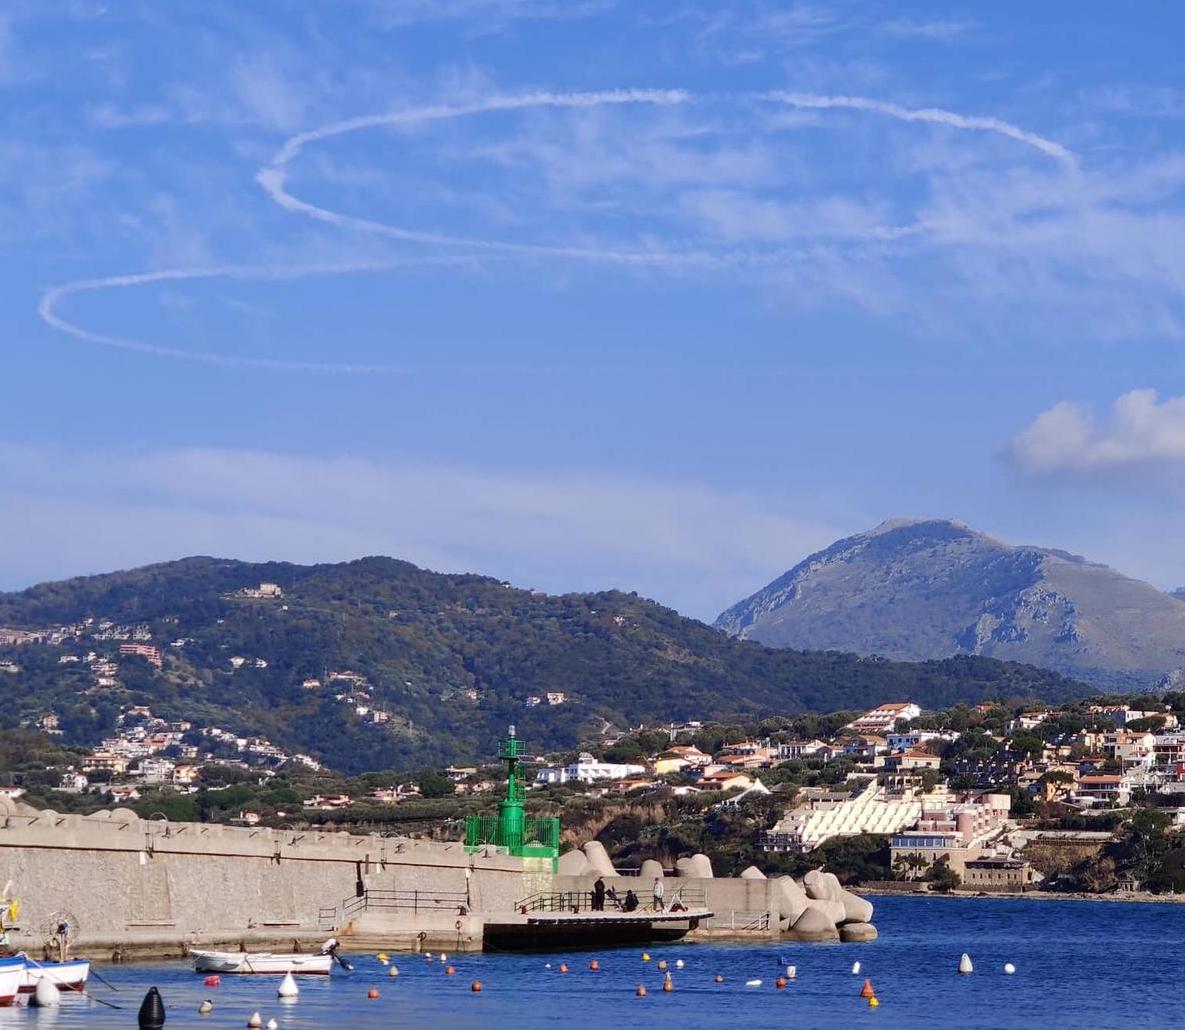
<point x="874" y="1002"/>
<point x="645" y="956"/>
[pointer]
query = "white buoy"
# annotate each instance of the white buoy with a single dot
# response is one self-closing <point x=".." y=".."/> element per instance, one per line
<point x="205" y="1008"/>
<point x="791" y="972"/>
<point x="965" y="965"/>
<point x="546" y="965"/>
<point x="255" y="1021"/>
<point x="443" y="957"/>
<point x="272" y="1025"/>
<point x="678" y="963"/>
<point x="46" y="995"/>
<point x="752" y="983"/>
<point x="393" y="971"/>
<point x="1009" y="968"/>
<point x="287" y="988"/>
<point x="855" y="969"/>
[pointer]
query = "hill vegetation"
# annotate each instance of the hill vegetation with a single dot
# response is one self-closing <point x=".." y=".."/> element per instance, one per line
<point x="448" y="660"/>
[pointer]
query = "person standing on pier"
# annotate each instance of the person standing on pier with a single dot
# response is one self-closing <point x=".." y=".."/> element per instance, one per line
<point x="658" y="895"/>
<point x="598" y="898"/>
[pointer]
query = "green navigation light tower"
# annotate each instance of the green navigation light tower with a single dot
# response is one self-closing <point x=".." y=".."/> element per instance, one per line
<point x="512" y="830"/>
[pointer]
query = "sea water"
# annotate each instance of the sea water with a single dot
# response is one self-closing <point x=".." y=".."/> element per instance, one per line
<point x="1079" y="964"/>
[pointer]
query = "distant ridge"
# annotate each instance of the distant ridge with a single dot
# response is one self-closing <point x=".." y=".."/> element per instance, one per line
<point x="930" y="588"/>
<point x="376" y="663"/>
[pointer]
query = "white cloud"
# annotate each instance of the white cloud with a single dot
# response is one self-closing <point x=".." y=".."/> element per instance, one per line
<point x="943" y="31"/>
<point x="690" y="546"/>
<point x="1140" y="431"/>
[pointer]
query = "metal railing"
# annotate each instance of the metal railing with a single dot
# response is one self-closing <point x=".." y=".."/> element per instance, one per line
<point x="405" y="901"/>
<point x="327" y="918"/>
<point x="738" y="921"/>
<point x="582" y="901"/>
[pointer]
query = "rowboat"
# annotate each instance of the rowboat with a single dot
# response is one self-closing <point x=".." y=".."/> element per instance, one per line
<point x="12" y="975"/>
<point x="260" y="962"/>
<point x="68" y="976"/>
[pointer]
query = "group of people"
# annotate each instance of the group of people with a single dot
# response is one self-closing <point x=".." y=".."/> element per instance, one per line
<point x="630" y="902"/>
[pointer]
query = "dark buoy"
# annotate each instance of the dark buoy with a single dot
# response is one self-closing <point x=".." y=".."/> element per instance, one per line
<point x="152" y="1011"/>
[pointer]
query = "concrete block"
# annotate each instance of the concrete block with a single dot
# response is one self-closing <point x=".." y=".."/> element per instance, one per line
<point x="813" y="925"/>
<point x="853" y="933"/>
<point x="856" y="909"/>
<point x="572" y="863"/>
<point x="702" y="866"/>
<point x="598" y="859"/>
<point x="793" y="899"/>
<point x="650" y="869"/>
<point x="752" y="873"/>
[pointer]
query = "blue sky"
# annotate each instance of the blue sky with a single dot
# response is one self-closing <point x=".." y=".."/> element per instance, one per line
<point x="584" y="293"/>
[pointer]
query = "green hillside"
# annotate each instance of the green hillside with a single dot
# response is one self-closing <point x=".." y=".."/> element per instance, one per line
<point x="449" y="659"/>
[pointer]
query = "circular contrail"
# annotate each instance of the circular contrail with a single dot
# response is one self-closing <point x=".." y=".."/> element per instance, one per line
<point x="273" y="179"/>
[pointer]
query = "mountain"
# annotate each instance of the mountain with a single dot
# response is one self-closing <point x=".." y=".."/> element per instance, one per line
<point x="929" y="588"/>
<point x="444" y="662"/>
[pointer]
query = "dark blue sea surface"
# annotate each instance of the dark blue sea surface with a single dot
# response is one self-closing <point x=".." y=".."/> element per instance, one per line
<point x="1079" y="964"/>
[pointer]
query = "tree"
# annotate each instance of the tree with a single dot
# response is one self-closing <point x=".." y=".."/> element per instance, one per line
<point x="942" y="877"/>
<point x="435" y="784"/>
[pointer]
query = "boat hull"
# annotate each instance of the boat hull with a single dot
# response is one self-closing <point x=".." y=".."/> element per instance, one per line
<point x="70" y="976"/>
<point x="12" y="975"/>
<point x="260" y="964"/>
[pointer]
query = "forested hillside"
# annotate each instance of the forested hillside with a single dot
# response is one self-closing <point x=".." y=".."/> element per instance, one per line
<point x="376" y="663"/>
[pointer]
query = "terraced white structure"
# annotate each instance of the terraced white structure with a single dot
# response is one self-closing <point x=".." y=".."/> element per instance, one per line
<point x="871" y="811"/>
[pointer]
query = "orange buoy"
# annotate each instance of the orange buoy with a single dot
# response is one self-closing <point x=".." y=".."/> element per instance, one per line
<point x="449" y="970"/>
<point x="867" y="990"/>
<point x="780" y="983"/>
<point x="668" y="986"/>
<point x="594" y="965"/>
<point x="662" y="964"/>
<point x="563" y="967"/>
<point x="640" y="992"/>
<point x="372" y="994"/>
<point x="475" y="987"/>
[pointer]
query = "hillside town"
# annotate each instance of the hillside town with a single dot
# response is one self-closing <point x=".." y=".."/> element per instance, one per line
<point x="960" y="796"/>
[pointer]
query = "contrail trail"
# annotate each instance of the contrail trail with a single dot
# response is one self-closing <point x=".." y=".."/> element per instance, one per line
<point x="49" y="300"/>
<point x="935" y="115"/>
<point x="273" y="179"/>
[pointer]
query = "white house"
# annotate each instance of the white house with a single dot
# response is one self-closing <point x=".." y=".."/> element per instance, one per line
<point x="587" y="769"/>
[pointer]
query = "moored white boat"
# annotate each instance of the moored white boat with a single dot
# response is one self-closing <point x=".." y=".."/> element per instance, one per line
<point x="66" y="976"/>
<point x="263" y="963"/>
<point x="12" y="976"/>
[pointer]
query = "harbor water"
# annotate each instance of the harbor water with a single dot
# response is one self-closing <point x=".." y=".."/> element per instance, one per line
<point x="1078" y="964"/>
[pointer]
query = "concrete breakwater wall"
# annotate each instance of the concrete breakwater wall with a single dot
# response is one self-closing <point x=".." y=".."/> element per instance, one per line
<point x="127" y="881"/>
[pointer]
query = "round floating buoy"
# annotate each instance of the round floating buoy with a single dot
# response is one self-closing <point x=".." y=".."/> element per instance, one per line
<point x="152" y="1010"/>
<point x="272" y="1025"/>
<point x="719" y="979"/>
<point x="791" y="972"/>
<point x="965" y="965"/>
<point x="563" y="967"/>
<point x="213" y="981"/>
<point x="594" y="965"/>
<point x="855" y="969"/>
<point x="645" y="956"/>
<point x="780" y="983"/>
<point x="475" y="987"/>
<point x="255" y="1021"/>
<point x="752" y="983"/>
<point x="546" y="965"/>
<point x="204" y="1009"/>
<point x="287" y="988"/>
<point x="46" y="995"/>
<point x="874" y="1002"/>
<point x="640" y="992"/>
<point x="382" y="956"/>
<point x="867" y="990"/>
<point x="662" y="963"/>
<point x="393" y="971"/>
<point x="667" y="986"/>
<point x="1009" y="968"/>
<point x="449" y="970"/>
<point x="443" y="957"/>
<point x="678" y="963"/>
<point x="372" y="993"/>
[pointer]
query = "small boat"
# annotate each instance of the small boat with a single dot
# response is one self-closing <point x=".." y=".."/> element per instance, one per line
<point x="261" y="962"/>
<point x="12" y="976"/>
<point x="67" y="976"/>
